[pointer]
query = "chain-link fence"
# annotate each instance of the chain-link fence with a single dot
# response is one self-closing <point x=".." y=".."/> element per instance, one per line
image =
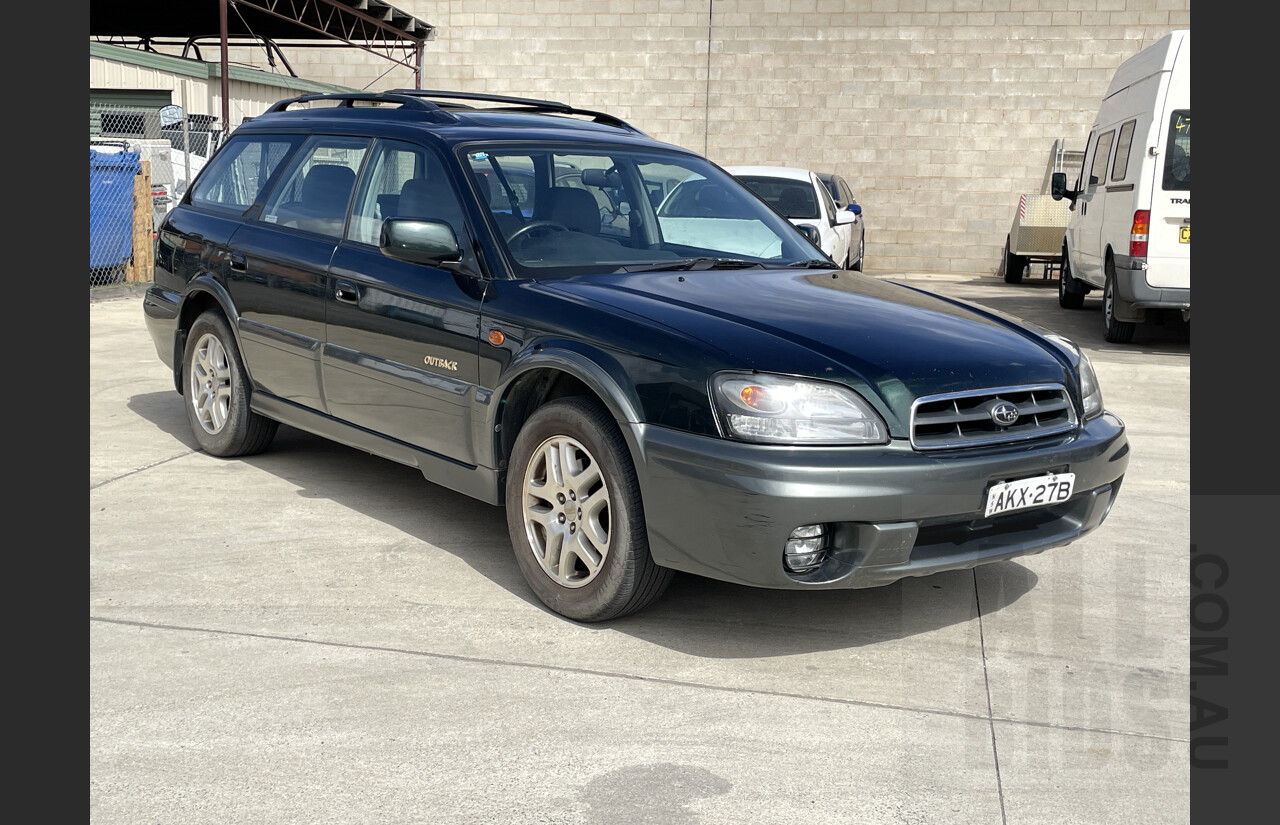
<point x="140" y="164"/>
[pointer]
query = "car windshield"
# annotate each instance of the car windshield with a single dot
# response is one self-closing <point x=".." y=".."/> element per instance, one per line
<point x="571" y="211"/>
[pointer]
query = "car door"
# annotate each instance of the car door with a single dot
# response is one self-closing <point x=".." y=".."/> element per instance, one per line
<point x="401" y="339"/>
<point x="1086" y="229"/>
<point x="277" y="263"/>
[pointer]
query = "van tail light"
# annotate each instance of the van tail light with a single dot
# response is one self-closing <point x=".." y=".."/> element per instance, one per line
<point x="1138" y="234"/>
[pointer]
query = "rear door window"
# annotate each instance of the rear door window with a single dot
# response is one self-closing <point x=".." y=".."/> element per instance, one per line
<point x="1177" y="154"/>
<point x="316" y="190"/>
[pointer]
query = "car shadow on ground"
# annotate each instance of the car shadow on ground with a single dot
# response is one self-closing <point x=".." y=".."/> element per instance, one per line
<point x="1036" y="300"/>
<point x="697" y="616"/>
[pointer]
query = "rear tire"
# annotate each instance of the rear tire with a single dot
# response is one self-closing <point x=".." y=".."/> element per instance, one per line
<point x="1013" y="265"/>
<point x="216" y="391"/>
<point x="1117" y="332"/>
<point x="575" y="515"/>
<point x="1070" y="295"/>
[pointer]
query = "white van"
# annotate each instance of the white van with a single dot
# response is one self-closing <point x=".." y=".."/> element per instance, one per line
<point x="1130" y="229"/>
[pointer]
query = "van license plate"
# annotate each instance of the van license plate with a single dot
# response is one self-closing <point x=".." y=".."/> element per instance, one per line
<point x="1030" y="492"/>
<point x="1184" y="234"/>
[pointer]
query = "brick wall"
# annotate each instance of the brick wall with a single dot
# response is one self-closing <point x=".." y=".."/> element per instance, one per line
<point x="939" y="112"/>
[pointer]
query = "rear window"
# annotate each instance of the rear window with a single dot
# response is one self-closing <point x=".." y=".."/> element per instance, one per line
<point x="793" y="198"/>
<point x="1177" y="154"/>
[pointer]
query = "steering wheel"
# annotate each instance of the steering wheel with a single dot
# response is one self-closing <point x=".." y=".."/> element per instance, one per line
<point x="532" y="225"/>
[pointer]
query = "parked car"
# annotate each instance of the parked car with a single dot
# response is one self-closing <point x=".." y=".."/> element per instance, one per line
<point x="842" y="194"/>
<point x="705" y="393"/>
<point x="803" y="198"/>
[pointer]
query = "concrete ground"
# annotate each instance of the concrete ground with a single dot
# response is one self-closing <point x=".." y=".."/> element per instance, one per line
<point x="317" y="635"/>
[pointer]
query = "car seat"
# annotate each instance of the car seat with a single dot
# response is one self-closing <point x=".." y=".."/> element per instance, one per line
<point x="576" y="209"/>
<point x="322" y="200"/>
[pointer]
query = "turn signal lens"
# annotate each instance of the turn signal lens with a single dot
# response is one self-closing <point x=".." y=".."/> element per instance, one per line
<point x="757" y="398"/>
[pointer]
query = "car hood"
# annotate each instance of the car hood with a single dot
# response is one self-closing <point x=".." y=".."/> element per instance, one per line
<point x="892" y="341"/>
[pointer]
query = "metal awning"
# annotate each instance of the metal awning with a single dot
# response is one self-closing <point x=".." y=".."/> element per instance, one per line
<point x="372" y="25"/>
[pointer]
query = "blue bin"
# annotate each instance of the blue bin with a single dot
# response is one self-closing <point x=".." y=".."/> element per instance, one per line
<point x="111" y="176"/>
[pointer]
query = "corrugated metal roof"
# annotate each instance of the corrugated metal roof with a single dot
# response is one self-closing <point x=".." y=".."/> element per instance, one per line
<point x="272" y="19"/>
<point x="200" y="69"/>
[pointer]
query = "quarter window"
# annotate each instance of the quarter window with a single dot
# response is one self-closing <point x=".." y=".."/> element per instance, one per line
<point x="240" y="172"/>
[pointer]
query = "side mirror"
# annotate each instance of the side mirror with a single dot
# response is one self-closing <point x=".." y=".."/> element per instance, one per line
<point x="1058" y="188"/>
<point x="811" y="232"/>
<point x="845" y="216"/>
<point x="421" y="242"/>
<point x="1058" y="185"/>
<point x="854" y="208"/>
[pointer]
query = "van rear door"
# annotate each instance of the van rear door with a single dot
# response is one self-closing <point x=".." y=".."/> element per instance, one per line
<point x="1169" y="236"/>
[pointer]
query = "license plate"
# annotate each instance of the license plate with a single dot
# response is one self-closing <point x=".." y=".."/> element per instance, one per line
<point x="1024" y="493"/>
<point x="1184" y="234"/>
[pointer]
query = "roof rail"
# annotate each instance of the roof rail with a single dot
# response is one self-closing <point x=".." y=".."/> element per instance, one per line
<point x="439" y="94"/>
<point x="523" y="103"/>
<point x="348" y="99"/>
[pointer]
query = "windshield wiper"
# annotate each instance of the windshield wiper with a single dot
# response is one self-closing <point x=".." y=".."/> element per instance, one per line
<point x="814" y="263"/>
<point x="693" y="264"/>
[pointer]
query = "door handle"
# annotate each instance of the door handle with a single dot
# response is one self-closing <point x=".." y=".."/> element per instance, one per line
<point x="346" y="292"/>
<point x="238" y="262"/>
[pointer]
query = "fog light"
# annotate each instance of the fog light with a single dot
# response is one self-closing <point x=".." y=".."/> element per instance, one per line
<point x="806" y="548"/>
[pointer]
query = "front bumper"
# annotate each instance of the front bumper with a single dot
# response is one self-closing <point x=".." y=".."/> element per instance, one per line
<point x="724" y="509"/>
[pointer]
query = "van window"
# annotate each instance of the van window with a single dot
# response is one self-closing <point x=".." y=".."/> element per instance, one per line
<point x="1177" y="153"/>
<point x="1098" y="171"/>
<point x="1121" y="165"/>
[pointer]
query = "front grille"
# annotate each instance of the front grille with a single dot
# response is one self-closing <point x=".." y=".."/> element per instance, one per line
<point x="964" y="419"/>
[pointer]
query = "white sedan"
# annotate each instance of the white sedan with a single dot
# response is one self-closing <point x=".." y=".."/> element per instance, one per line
<point x="802" y="198"/>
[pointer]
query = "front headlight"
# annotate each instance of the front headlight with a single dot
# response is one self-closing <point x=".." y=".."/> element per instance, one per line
<point x="778" y="409"/>
<point x="1090" y="392"/>
<point x="1089" y="389"/>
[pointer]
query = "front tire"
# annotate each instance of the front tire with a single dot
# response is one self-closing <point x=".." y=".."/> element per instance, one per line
<point x="1117" y="332"/>
<point x="575" y="515"/>
<point x="1013" y="265"/>
<point x="216" y="391"/>
<point x="862" y="251"/>
<point x="1070" y="295"/>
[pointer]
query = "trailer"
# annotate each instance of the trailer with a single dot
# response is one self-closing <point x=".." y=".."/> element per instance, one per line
<point x="1040" y="222"/>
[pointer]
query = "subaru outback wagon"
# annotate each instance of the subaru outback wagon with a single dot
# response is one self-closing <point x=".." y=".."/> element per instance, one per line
<point x="485" y="288"/>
